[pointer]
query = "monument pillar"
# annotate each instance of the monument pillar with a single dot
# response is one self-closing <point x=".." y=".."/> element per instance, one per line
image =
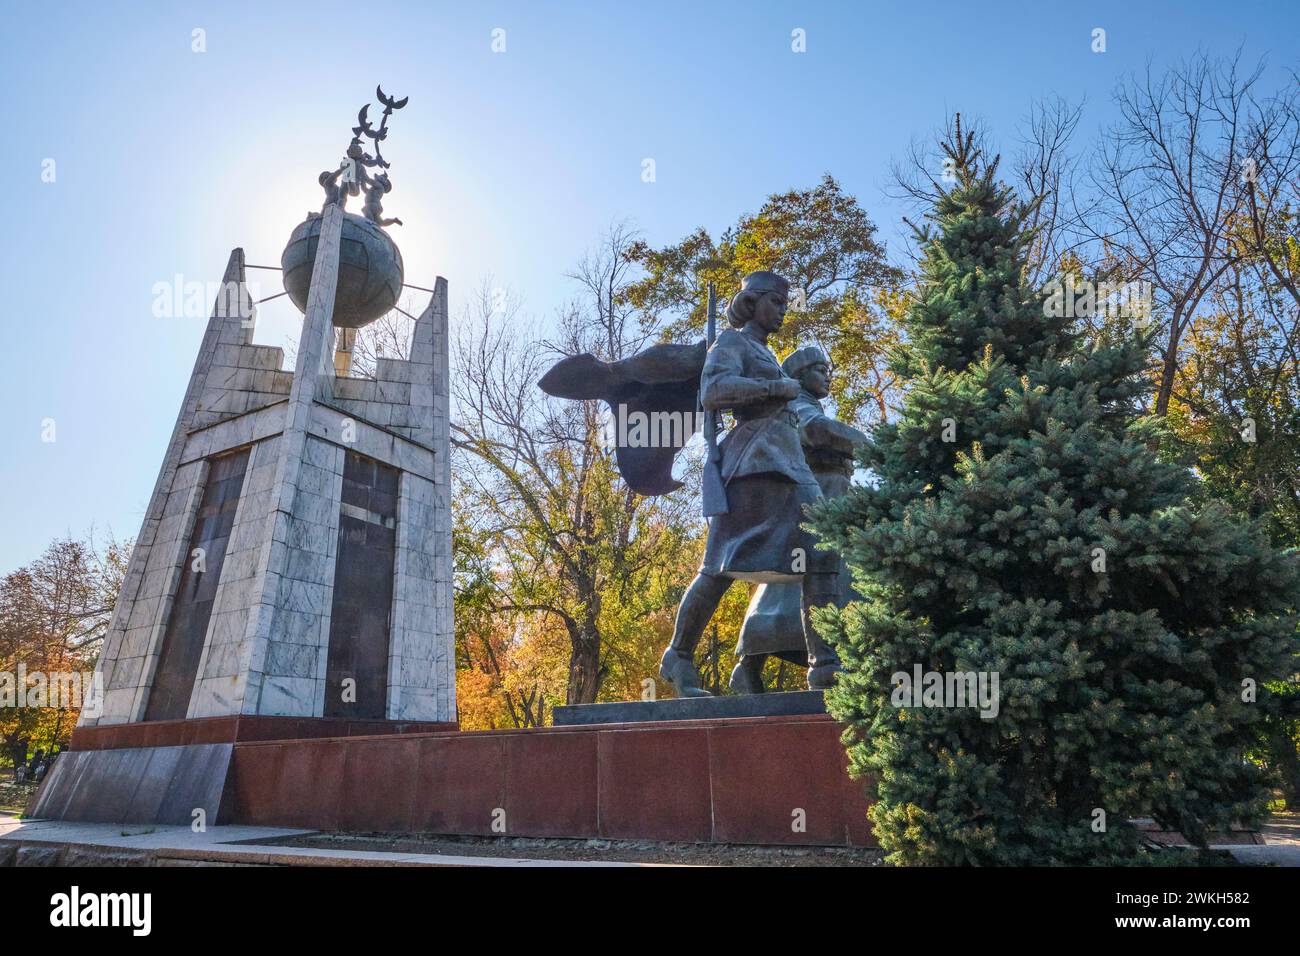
<point x="292" y="576"/>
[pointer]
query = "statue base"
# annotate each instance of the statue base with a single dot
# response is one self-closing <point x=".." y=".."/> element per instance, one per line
<point x="772" y="704"/>
<point x="763" y="779"/>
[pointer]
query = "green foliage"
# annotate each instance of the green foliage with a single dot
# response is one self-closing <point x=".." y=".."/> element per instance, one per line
<point x="54" y="613"/>
<point x="1235" y="415"/>
<point x="1235" y="409"/>
<point x="822" y="240"/>
<point x="1120" y="689"/>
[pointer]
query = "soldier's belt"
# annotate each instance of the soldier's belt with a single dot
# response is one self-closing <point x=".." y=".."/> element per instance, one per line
<point x="767" y="410"/>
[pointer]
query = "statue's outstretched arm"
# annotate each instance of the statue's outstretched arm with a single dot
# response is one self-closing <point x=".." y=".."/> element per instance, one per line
<point x="822" y="431"/>
<point x="723" y="383"/>
<point x="732" y="391"/>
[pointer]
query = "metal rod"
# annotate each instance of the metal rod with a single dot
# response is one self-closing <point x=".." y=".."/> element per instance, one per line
<point x="270" y="297"/>
<point x="408" y="285"/>
<point x="272" y="268"/>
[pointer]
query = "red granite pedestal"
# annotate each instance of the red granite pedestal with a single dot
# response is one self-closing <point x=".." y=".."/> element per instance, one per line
<point x="221" y="730"/>
<point x="765" y="780"/>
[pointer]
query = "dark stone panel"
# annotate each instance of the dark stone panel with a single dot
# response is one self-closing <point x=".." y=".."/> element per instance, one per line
<point x="106" y="795"/>
<point x="654" y="784"/>
<point x="755" y="793"/>
<point x="461" y="782"/>
<point x="787" y="704"/>
<point x="363" y="593"/>
<point x="383" y="503"/>
<point x="370" y="484"/>
<point x="136" y="785"/>
<point x="187" y="625"/>
<point x="205" y="584"/>
<point x="551" y="785"/>
<point x="198" y="781"/>
<point x="84" y="787"/>
<point x="56" y="789"/>
<point x="352" y="532"/>
<point x="161" y="769"/>
<point x="309" y="791"/>
<point x="379" y="779"/>
<point x="254" y="779"/>
<point x="386" y="483"/>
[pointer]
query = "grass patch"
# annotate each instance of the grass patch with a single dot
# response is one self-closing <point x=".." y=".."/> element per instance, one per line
<point x="14" y="796"/>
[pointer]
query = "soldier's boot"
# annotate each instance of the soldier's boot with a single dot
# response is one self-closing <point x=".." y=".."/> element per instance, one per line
<point x="698" y="604"/>
<point x="678" y="669"/>
<point x="823" y="663"/>
<point x="747" y="677"/>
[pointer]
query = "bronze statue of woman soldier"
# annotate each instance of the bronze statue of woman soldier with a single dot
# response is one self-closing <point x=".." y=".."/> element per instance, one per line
<point x="767" y="480"/>
<point x="756" y="535"/>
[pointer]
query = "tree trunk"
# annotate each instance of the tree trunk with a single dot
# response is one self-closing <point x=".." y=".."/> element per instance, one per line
<point x="584" y="664"/>
<point x="1170" y="369"/>
<point x="18" y="752"/>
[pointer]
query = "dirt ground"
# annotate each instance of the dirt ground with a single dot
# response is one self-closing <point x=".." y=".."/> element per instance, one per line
<point x="1281" y="828"/>
<point x="621" y="851"/>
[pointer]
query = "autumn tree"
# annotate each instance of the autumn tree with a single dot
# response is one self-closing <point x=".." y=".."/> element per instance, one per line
<point x="1235" y="417"/>
<point x="565" y="542"/>
<point x="54" y="613"/>
<point x="1174" y="181"/>
<point x="842" y="287"/>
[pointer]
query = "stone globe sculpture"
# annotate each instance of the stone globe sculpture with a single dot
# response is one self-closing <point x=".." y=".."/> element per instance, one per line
<point x="370" y="270"/>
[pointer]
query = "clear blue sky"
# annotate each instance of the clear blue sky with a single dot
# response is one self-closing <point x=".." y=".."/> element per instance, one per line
<point x="505" y="165"/>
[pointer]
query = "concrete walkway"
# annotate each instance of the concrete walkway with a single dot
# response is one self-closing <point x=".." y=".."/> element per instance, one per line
<point x="1281" y="845"/>
<point x="178" y="845"/>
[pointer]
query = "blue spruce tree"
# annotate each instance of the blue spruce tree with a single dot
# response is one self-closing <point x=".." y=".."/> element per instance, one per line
<point x="1021" y="524"/>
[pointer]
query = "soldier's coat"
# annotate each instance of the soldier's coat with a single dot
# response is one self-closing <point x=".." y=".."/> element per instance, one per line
<point x="768" y="482"/>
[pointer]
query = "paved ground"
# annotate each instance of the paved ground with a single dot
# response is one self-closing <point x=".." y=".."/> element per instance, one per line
<point x="232" y="845"/>
<point x="1281" y="843"/>
<point x="1283" y="829"/>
